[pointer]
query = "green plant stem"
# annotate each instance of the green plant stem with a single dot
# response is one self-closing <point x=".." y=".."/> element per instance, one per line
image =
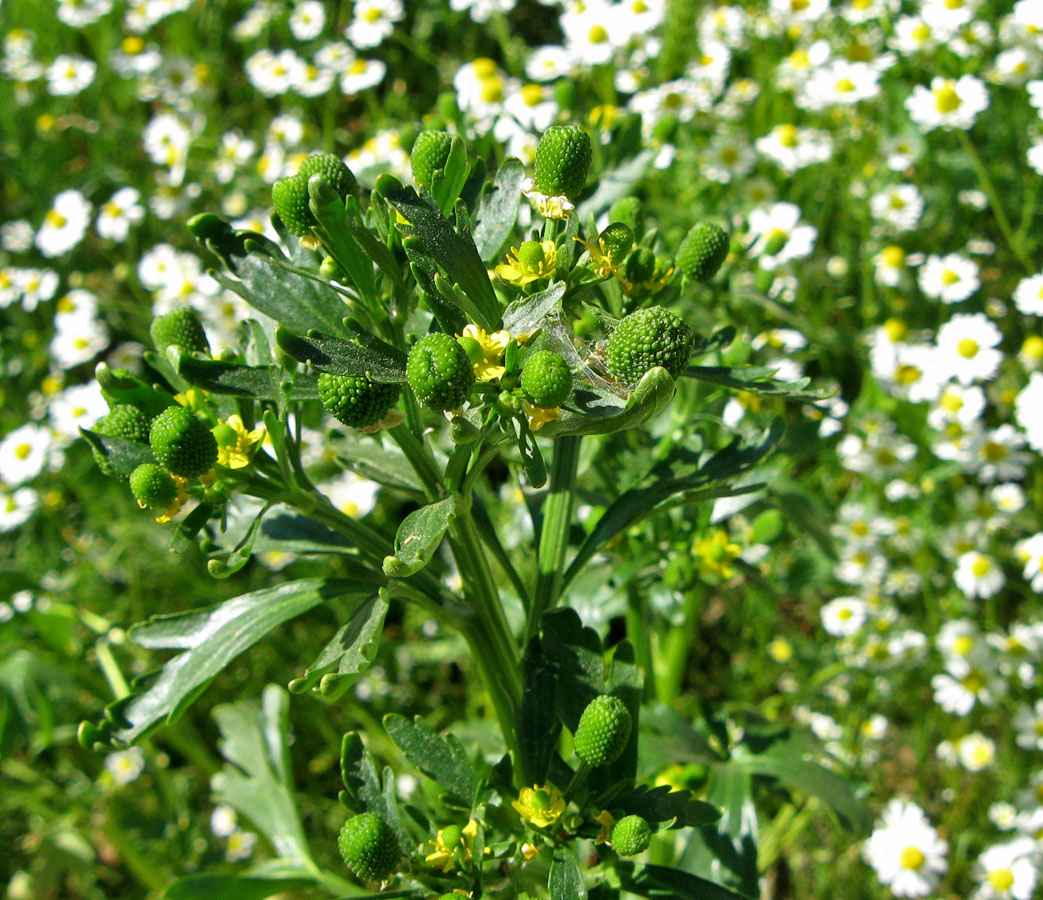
<point x="994" y="200"/>
<point x="676" y="646"/>
<point x="638" y="634"/>
<point x="487" y="633"/>
<point x="554" y="534"/>
<point x="578" y="778"/>
<point x="420" y="460"/>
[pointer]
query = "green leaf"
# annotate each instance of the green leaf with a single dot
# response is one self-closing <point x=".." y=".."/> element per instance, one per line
<point x="786" y="760"/>
<point x="565" y="881"/>
<point x="616" y="183"/>
<point x="338" y="239"/>
<point x="447" y="312"/>
<point x="653" y="393"/>
<point x="524" y="315"/>
<point x="759" y="380"/>
<point x="261" y="279"/>
<point x="456" y="257"/>
<point x="359" y="355"/>
<point x="537" y="725"/>
<point x="120" y="386"/>
<point x="223" y="565"/>
<point x="441" y="759"/>
<point x="124" y="456"/>
<point x="641" y="502"/>
<point x="532" y="459"/>
<point x="234" y="887"/>
<point x="419" y="536"/>
<point x="254" y="382"/>
<point x="362" y="791"/>
<point x="664" y="803"/>
<point x="719" y="340"/>
<point x="448" y="182"/>
<point x="345" y="658"/>
<point x="498" y="210"/>
<point x="210" y="639"/>
<point x="662" y="883"/>
<point x="259" y="781"/>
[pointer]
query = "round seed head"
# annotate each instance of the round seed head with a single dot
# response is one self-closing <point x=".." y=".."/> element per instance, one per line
<point x="180" y="328"/>
<point x="562" y="162"/>
<point x="430" y="152"/>
<point x="647" y="338"/>
<point x="631" y="835"/>
<point x="338" y="176"/>
<point x="153" y="487"/>
<point x="603" y="730"/>
<point x="703" y="251"/>
<point x="290" y="198"/>
<point x="439" y="372"/>
<point x="182" y="443"/>
<point x="546" y="380"/>
<point x="355" y="400"/>
<point x="368" y="847"/>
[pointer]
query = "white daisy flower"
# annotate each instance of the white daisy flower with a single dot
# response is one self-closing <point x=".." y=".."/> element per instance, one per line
<point x="307" y="20"/>
<point x="966" y="348"/>
<point x="16" y="507"/>
<point x="121" y="211"/>
<point x="1028" y="295"/>
<point x="844" y="616"/>
<point x="1008" y="871"/>
<point x="125" y="765"/>
<point x="23" y="453"/>
<point x="65" y="224"/>
<point x="978" y="575"/>
<point x="1028" y="410"/>
<point x="906" y="852"/>
<point x="68" y="75"/>
<point x="950" y="278"/>
<point x="975" y="751"/>
<point x="947" y="104"/>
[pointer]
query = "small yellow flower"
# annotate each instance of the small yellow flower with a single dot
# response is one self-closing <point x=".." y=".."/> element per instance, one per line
<point x="716" y="553"/>
<point x="235" y="443"/>
<point x="527" y="264"/>
<point x="179" y="501"/>
<point x="603" y="264"/>
<point x="605" y="819"/>
<point x="448" y="841"/>
<point x="539" y="417"/>
<point x="542" y="805"/>
<point x="492" y="347"/>
<point x="191" y="399"/>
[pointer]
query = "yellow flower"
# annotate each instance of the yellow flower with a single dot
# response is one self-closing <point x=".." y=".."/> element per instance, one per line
<point x="179" y="501"/>
<point x="448" y="841"/>
<point x="539" y="417"/>
<point x="192" y="399"/>
<point x="603" y="264"/>
<point x="490" y="347"/>
<point x="235" y="443"/>
<point x="716" y="553"/>
<point x="531" y="262"/>
<point x="606" y="821"/>
<point x="541" y="804"/>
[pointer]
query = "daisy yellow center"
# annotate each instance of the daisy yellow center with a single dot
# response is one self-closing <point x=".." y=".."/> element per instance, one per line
<point x="799" y="59"/>
<point x="967" y="348"/>
<point x="893" y="257"/>
<point x="921" y="32"/>
<point x="598" y="34"/>
<point x="896" y="329"/>
<point x="844" y="86"/>
<point x="1033" y="346"/>
<point x="907" y="374"/>
<point x="729" y="155"/>
<point x="492" y="90"/>
<point x="1001" y="879"/>
<point x="994" y="452"/>
<point x="357" y="67"/>
<point x="484" y="67"/>
<point x="112" y="210"/>
<point x="799" y="5"/>
<point x="862" y="4"/>
<point x="946" y="100"/>
<point x="949" y="277"/>
<point x="952" y="403"/>
<point x="885" y="456"/>
<point x="896" y="202"/>
<point x="132" y="45"/>
<point x="531" y="94"/>
<point x="981" y="566"/>
<point x="954" y="4"/>
<point x="705" y="60"/>
<point x="982" y="754"/>
<point x="788" y="135"/>
<point x="55" y="219"/>
<point x="80" y="343"/>
<point x="372" y="15"/>
<point x="777" y="235"/>
<point x="962" y="645"/>
<point x="1039" y="728"/>
<point x="860" y="527"/>
<point x="22" y="451"/>
<point x="639" y="6"/>
<point x="912" y="858"/>
<point x="845" y="614"/>
<point x="973" y="681"/>
<point x="672" y="100"/>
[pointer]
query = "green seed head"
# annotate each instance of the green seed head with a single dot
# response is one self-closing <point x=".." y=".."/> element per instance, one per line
<point x="122" y="421"/>
<point x="182" y="444"/>
<point x="452" y="835"/>
<point x="355" y="400"/>
<point x="338" y="176"/>
<point x="617" y="240"/>
<point x="631" y="835"/>
<point x="439" y="372"/>
<point x="290" y="198"/>
<point x="647" y="338"/>
<point x="368" y="847"/>
<point x="430" y="152"/>
<point x="629" y="211"/>
<point x="153" y="487"/>
<point x="640" y="266"/>
<point x="562" y="161"/>
<point x="531" y="255"/>
<point x="603" y="730"/>
<point x="703" y="251"/>
<point x="546" y="380"/>
<point x="180" y="328"/>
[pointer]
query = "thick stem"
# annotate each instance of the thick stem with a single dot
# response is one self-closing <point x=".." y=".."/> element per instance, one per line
<point x="554" y="535"/>
<point x="676" y="646"/>
<point x="488" y="634"/>
<point x="419" y="459"/>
